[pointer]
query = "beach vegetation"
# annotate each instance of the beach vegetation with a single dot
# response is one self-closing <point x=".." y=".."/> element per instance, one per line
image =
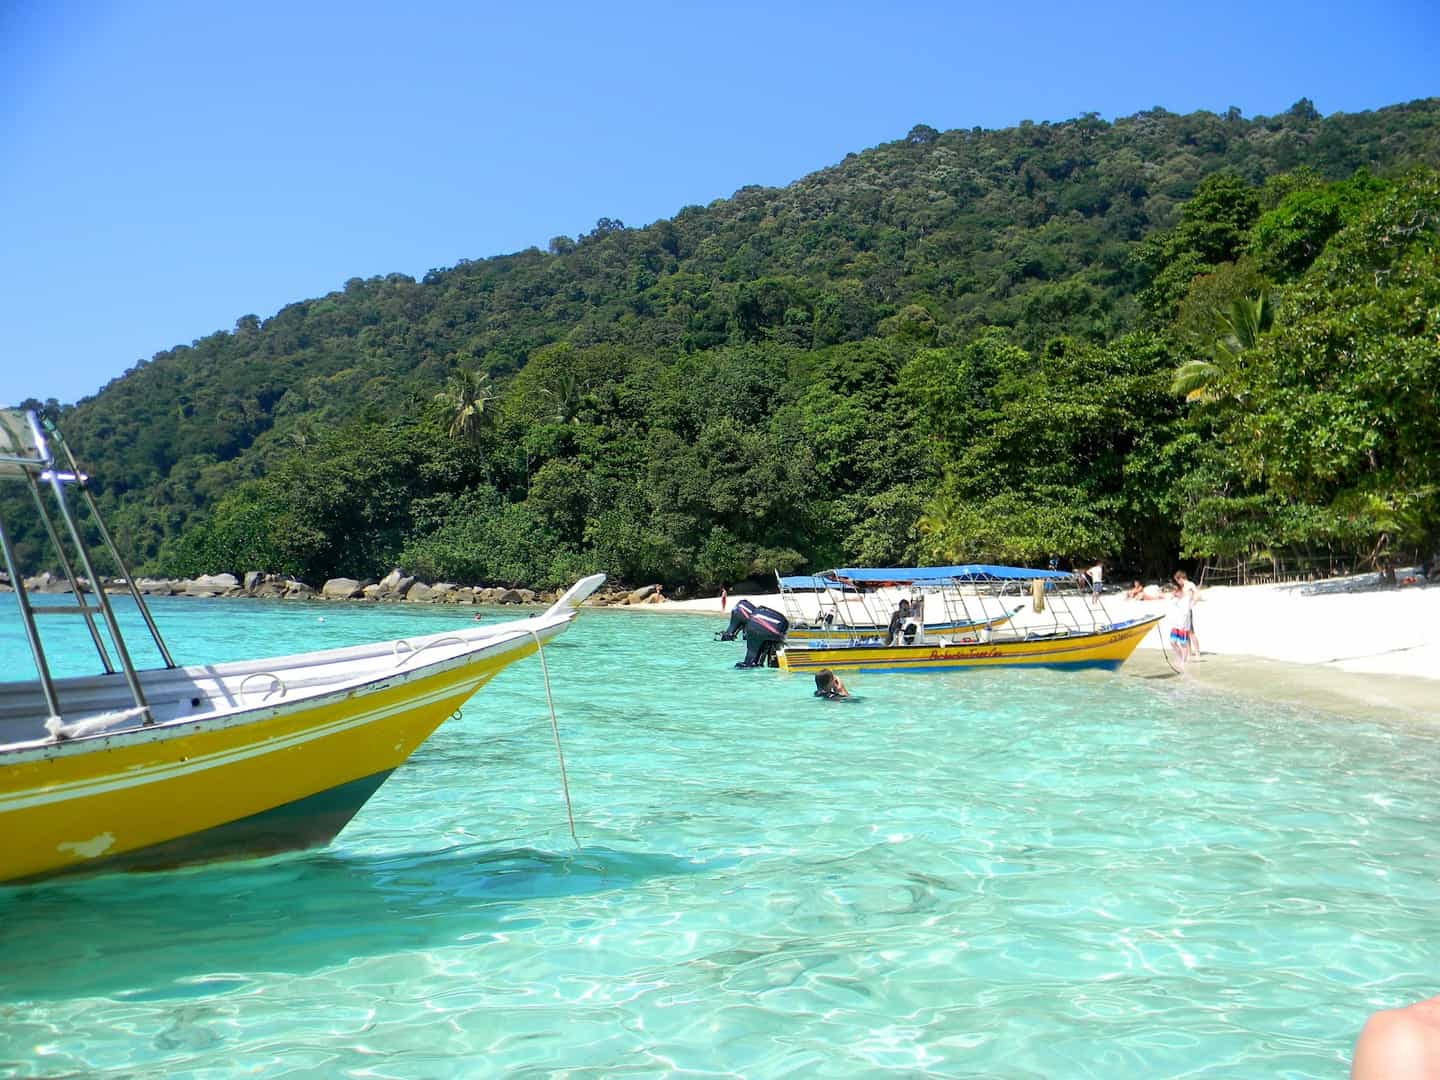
<point x="1160" y="336"/>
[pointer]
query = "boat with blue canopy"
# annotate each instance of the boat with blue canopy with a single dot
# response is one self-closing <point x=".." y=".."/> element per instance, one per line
<point x="934" y="618"/>
<point x="822" y="607"/>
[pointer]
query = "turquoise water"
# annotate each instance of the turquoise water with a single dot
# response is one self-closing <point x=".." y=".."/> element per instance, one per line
<point x="1002" y="874"/>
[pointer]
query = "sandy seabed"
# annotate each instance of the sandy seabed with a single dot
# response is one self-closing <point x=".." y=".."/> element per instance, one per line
<point x="1345" y="645"/>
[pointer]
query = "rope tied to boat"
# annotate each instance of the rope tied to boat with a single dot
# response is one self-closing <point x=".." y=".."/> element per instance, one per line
<point x="1165" y="650"/>
<point x="555" y="730"/>
<point x="277" y="684"/>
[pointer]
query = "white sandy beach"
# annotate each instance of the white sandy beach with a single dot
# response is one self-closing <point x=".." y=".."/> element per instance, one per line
<point x="1343" y="643"/>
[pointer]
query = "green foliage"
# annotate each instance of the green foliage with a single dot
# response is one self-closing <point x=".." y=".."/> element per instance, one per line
<point x="1333" y="412"/>
<point x="1060" y="462"/>
<point x="465" y="398"/>
<point x="479" y="537"/>
<point x="344" y="507"/>
<point x="1237" y="329"/>
<point x="1214" y="229"/>
<point x="1019" y="527"/>
<point x="941" y="326"/>
<point x="1287" y="239"/>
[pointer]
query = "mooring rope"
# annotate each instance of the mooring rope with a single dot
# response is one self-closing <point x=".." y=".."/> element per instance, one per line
<point x="555" y="730"/>
<point x="1165" y="650"/>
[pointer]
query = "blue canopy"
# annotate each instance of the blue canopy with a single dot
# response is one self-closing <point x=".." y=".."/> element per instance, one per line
<point x="812" y="583"/>
<point x="916" y="575"/>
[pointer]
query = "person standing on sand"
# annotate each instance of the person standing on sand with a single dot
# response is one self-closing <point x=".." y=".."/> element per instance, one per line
<point x="1180" y="627"/>
<point x="1186" y="588"/>
<point x="723" y="597"/>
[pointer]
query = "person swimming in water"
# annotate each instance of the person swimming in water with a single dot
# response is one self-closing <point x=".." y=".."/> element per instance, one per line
<point x="829" y="686"/>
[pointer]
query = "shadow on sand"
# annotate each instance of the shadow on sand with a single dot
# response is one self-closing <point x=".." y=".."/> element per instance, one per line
<point x="1358" y="583"/>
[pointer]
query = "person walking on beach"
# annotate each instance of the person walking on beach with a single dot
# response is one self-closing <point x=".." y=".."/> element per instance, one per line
<point x="1180" y="628"/>
<point x="1185" y="588"/>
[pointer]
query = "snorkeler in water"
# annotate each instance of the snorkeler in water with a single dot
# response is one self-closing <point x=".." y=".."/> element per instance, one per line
<point x="829" y="686"/>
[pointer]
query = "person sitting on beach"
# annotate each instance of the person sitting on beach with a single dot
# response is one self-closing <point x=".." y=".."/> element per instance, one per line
<point x="1136" y="591"/>
<point x="829" y="686"/>
<point x="901" y="616"/>
<point x="1400" y="1044"/>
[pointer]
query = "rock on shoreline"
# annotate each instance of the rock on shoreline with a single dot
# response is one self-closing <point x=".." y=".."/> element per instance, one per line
<point x="394" y="587"/>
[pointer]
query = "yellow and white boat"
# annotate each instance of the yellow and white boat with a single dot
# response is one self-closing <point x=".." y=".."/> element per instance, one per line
<point x="820" y="609"/>
<point x="981" y="625"/>
<point x="148" y="769"/>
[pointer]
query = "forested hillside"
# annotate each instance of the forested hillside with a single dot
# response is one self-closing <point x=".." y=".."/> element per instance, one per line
<point x="1165" y="335"/>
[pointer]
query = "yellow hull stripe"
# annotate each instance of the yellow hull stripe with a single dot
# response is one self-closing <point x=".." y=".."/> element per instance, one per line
<point x="1101" y="648"/>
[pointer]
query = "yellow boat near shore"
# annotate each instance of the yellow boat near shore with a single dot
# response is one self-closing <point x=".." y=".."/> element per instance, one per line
<point x="1108" y="648"/>
<point x="133" y="769"/>
<point x="973" y="620"/>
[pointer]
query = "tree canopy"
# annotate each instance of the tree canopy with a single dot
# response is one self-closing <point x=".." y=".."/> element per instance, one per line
<point x="1167" y="335"/>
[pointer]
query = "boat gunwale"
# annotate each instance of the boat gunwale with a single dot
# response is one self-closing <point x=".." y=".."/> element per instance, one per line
<point x="497" y="640"/>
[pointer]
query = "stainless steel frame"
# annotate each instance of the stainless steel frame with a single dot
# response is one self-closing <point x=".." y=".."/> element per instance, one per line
<point x="25" y="452"/>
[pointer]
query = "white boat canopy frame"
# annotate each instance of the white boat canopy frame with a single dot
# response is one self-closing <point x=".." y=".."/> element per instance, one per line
<point x="26" y="455"/>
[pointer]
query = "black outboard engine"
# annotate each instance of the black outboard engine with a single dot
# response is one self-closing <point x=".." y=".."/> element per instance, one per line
<point x="764" y="630"/>
<point x="739" y="616"/>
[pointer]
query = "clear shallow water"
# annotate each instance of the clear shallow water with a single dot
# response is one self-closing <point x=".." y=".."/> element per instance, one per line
<point x="1001" y="874"/>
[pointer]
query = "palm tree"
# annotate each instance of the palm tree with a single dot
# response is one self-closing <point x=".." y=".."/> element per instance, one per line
<point x="1239" y="329"/>
<point x="465" y="397"/>
<point x="565" y="392"/>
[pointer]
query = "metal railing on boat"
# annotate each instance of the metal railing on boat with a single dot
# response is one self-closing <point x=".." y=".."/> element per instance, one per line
<point x="26" y="454"/>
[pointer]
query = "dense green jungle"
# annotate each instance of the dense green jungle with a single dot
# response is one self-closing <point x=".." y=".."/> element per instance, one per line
<point x="1200" y="337"/>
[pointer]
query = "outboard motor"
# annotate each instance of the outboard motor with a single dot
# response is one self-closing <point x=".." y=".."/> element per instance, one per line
<point x="764" y="629"/>
<point x="739" y="616"/>
<point x="764" y="634"/>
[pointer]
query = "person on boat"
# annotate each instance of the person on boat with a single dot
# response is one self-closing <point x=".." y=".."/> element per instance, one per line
<point x="1096" y="574"/>
<point x="829" y="686"/>
<point x="897" y="621"/>
<point x="1186" y="589"/>
<point x="1400" y="1044"/>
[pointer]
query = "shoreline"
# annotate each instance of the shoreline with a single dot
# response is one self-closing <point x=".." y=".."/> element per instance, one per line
<point x="1353" y="694"/>
<point x="1344" y="647"/>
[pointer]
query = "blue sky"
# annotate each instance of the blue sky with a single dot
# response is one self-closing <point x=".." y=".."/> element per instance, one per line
<point x="166" y="168"/>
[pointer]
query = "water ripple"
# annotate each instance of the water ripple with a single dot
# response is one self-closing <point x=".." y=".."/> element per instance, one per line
<point x="993" y="874"/>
